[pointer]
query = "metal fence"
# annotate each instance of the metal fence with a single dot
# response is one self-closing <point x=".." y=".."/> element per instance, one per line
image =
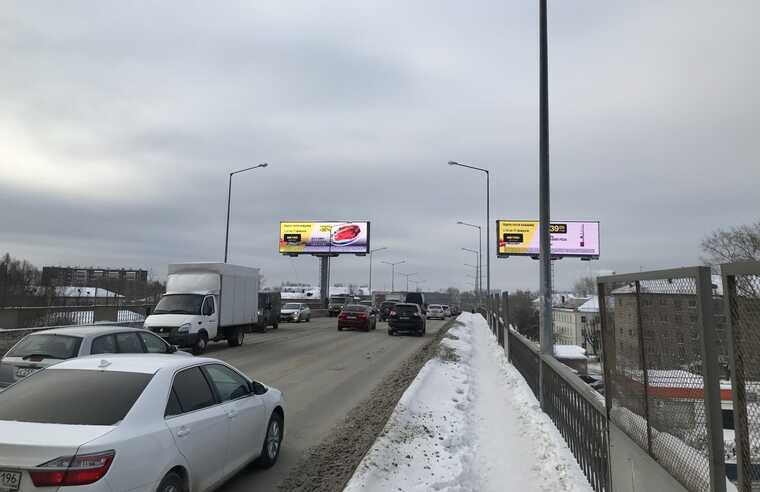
<point x="576" y="409"/>
<point x="33" y="317"/>
<point x="661" y="367"/>
<point x="741" y="282"/>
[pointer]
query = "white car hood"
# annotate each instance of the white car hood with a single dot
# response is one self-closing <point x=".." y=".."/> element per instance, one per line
<point x="288" y="311"/>
<point x="173" y="320"/>
<point x="27" y="444"/>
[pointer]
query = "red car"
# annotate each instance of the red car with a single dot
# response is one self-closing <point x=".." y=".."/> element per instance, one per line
<point x="357" y="316"/>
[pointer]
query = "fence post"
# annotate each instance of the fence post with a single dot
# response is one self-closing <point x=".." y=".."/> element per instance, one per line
<point x="505" y="316"/>
<point x="738" y="377"/>
<point x="711" y="379"/>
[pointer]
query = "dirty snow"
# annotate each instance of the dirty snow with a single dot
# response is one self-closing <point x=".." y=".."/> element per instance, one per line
<point x="467" y="423"/>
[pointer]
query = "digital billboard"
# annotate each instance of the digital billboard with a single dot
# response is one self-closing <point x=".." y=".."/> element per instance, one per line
<point x="568" y="238"/>
<point x="324" y="237"/>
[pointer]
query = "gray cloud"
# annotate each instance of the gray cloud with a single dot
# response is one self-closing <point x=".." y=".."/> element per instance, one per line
<point x="121" y="121"/>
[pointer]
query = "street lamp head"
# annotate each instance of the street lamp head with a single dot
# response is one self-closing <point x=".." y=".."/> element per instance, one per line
<point x="460" y="222"/>
<point x="265" y="164"/>
<point x="453" y="163"/>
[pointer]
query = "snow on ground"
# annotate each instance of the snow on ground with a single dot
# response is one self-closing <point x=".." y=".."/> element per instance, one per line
<point x="469" y="422"/>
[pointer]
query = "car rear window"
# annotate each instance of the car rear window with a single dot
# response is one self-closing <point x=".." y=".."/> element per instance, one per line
<point x="406" y="308"/>
<point x="49" y="346"/>
<point x="355" y="308"/>
<point x="435" y="306"/>
<point x="73" y="397"/>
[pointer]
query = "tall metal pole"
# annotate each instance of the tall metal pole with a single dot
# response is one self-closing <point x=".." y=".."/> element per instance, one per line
<point x="229" y="199"/>
<point x="227" y="236"/>
<point x="370" y="268"/>
<point x="480" y="258"/>
<point x="488" y="237"/>
<point x="544" y="214"/>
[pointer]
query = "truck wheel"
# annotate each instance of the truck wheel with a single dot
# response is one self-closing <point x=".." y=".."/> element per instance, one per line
<point x="236" y="338"/>
<point x="200" y="344"/>
<point x="275" y="325"/>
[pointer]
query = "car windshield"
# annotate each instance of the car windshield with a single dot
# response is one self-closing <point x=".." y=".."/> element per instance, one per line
<point x="179" y="304"/>
<point x="47" y="346"/>
<point x="388" y="304"/>
<point x="435" y="306"/>
<point x="355" y="308"/>
<point x="291" y="305"/>
<point x="69" y="396"/>
<point x="406" y="308"/>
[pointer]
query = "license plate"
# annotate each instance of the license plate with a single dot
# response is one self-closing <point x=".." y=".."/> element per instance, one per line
<point x="10" y="480"/>
<point x="350" y="317"/>
<point x="403" y="317"/>
<point x="23" y="372"/>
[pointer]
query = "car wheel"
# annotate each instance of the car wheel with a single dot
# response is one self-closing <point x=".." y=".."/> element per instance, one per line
<point x="340" y="328"/>
<point x="390" y="333"/>
<point x="272" y="442"/>
<point x="200" y="344"/>
<point x="275" y="325"/>
<point x="171" y="483"/>
<point x="237" y="338"/>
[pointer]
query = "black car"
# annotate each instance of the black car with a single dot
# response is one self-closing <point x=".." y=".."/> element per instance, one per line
<point x="406" y="318"/>
<point x="385" y="309"/>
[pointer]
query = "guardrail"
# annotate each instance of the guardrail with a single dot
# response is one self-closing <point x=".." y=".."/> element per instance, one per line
<point x="575" y="408"/>
<point x="50" y="316"/>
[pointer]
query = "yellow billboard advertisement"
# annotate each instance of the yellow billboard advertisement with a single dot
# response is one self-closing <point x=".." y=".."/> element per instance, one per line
<point x="324" y="237"/>
<point x="568" y="238"/>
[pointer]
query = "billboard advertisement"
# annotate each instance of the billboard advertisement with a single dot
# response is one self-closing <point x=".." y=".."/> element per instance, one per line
<point x="324" y="237"/>
<point x="568" y="238"/>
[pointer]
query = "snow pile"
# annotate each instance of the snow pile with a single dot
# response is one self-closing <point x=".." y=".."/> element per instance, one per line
<point x="469" y="422"/>
<point x="570" y="352"/>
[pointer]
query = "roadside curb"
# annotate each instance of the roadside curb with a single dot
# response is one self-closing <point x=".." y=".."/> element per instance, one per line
<point x="329" y="466"/>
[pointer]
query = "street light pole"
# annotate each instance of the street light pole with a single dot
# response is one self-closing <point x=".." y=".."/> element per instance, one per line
<point x="488" y="221"/>
<point x="544" y="215"/>
<point x="393" y="272"/>
<point x="407" y="275"/>
<point x="370" y="268"/>
<point x="480" y="249"/>
<point x="479" y="271"/>
<point x="229" y="199"/>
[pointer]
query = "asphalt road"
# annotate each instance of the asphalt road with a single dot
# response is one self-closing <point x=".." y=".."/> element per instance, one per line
<point x="323" y="373"/>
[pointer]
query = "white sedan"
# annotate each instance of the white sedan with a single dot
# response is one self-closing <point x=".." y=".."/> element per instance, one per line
<point x="136" y="423"/>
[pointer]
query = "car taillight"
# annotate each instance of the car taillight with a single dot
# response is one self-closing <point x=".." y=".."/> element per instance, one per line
<point x="342" y="316"/>
<point x="362" y="316"/>
<point x="77" y="470"/>
<point x="392" y="313"/>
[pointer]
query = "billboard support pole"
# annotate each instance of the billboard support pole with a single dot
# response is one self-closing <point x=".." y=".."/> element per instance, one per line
<point x="546" y="333"/>
<point x="324" y="280"/>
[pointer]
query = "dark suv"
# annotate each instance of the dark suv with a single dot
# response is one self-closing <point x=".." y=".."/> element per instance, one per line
<point x="407" y="318"/>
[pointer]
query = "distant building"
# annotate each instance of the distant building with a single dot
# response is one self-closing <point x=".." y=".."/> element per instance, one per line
<point x="576" y="322"/>
<point x="53" y="276"/>
<point x="669" y="324"/>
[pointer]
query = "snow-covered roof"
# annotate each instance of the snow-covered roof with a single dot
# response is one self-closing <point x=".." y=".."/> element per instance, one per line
<point x="590" y="306"/>
<point x="570" y="352"/>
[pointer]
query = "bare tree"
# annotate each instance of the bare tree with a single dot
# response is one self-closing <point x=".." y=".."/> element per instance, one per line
<point x="730" y="245"/>
<point x="585" y="286"/>
<point x="523" y="313"/>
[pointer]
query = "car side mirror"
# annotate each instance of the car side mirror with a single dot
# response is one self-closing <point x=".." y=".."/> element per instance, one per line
<point x="172" y="349"/>
<point x="258" y="388"/>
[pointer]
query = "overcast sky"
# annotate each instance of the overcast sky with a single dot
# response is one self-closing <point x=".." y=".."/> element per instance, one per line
<point x="119" y="123"/>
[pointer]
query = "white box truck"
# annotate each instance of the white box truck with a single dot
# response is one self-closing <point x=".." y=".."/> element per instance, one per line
<point x="206" y="302"/>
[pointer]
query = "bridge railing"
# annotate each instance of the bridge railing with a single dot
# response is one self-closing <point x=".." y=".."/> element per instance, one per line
<point x="575" y="408"/>
<point x="662" y="335"/>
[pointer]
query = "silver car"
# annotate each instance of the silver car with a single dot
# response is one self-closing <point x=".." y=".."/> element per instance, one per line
<point x="44" y="348"/>
<point x="295" y="311"/>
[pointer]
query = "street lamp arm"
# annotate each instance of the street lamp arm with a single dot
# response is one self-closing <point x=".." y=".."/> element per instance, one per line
<point x="263" y="164"/>
<point x="454" y="163"/>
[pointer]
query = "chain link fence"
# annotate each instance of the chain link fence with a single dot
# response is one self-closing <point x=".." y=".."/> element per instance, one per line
<point x="742" y="416"/>
<point x="661" y="349"/>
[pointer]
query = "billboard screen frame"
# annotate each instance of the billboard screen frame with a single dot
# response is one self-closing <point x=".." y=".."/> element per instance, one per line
<point x="554" y="256"/>
<point x="325" y="253"/>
